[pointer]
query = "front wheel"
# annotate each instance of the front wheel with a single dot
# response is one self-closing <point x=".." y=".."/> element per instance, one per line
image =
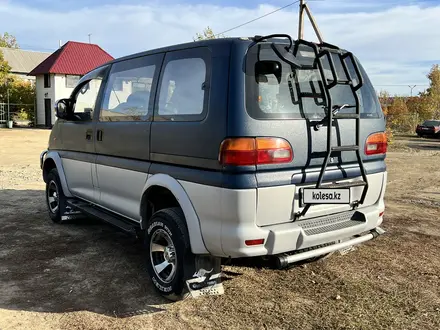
<point x="55" y="198"/>
<point x="170" y="261"/>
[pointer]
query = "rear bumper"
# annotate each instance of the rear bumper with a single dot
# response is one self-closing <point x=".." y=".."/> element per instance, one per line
<point x="284" y="261"/>
<point x="427" y="132"/>
<point x="230" y="217"/>
<point x="302" y="234"/>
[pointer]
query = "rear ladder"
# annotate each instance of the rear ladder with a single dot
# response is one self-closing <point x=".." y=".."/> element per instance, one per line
<point x="332" y="113"/>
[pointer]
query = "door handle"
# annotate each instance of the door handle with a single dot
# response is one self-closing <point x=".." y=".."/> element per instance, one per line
<point x="99" y="134"/>
<point x="89" y="135"/>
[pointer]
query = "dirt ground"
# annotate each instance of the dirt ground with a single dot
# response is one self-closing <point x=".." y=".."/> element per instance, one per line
<point x="89" y="276"/>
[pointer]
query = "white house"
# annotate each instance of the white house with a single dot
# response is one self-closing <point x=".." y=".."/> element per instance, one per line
<point x="59" y="73"/>
<point x="22" y="61"/>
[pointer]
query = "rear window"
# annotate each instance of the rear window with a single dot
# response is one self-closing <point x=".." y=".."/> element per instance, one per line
<point x="432" y="123"/>
<point x="276" y="90"/>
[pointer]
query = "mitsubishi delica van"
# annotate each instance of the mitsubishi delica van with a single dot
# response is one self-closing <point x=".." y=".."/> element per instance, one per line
<point x="226" y="148"/>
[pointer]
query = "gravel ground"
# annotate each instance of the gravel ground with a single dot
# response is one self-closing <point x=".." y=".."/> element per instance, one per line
<point x="88" y="276"/>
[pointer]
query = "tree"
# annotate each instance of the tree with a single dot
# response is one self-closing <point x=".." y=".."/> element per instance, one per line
<point x="207" y="34"/>
<point x="8" y="40"/>
<point x="4" y="70"/>
<point x="431" y="98"/>
<point x="385" y="100"/>
<point x="21" y="94"/>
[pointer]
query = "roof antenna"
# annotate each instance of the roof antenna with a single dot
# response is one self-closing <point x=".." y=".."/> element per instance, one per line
<point x="89" y="37"/>
<point x="304" y="7"/>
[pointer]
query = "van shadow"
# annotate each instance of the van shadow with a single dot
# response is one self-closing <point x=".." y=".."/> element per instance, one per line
<point x="79" y="266"/>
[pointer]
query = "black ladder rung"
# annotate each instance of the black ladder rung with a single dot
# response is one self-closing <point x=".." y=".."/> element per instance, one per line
<point x="346" y="116"/>
<point x="312" y="95"/>
<point x="345" y="148"/>
<point x="340" y="82"/>
<point x="351" y="184"/>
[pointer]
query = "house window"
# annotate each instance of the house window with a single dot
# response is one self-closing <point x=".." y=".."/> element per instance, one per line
<point x="46" y="80"/>
<point x="71" y="81"/>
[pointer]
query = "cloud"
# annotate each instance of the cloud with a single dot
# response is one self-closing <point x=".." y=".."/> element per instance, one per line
<point x="397" y="44"/>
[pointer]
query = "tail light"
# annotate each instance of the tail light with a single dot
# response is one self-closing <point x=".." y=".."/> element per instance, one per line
<point x="255" y="151"/>
<point x="376" y="144"/>
<point x="253" y="242"/>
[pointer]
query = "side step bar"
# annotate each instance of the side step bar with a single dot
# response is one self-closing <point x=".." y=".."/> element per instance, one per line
<point x="122" y="223"/>
<point x="285" y="261"/>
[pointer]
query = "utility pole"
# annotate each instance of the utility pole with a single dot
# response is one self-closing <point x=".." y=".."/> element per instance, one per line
<point x="412" y="87"/>
<point x="89" y="38"/>
<point x="304" y="7"/>
<point x="301" y="20"/>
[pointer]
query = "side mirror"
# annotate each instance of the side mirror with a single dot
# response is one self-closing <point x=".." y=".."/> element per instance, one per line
<point x="62" y="108"/>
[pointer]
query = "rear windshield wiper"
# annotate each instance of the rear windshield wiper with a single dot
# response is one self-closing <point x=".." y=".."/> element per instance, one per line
<point x="335" y="110"/>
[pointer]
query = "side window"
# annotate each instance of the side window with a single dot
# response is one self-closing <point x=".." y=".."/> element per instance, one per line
<point x="85" y="100"/>
<point x="128" y="91"/>
<point x="183" y="88"/>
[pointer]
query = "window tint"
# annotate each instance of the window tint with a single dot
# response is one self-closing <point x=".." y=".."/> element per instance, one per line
<point x="127" y="94"/>
<point x="274" y="90"/>
<point x="182" y="90"/>
<point x="86" y="97"/>
<point x="431" y="123"/>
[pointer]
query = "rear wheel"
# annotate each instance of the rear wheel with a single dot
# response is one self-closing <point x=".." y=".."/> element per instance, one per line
<point x="55" y="198"/>
<point x="170" y="261"/>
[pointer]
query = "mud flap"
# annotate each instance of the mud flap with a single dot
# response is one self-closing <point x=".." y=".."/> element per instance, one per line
<point x="69" y="213"/>
<point x="206" y="281"/>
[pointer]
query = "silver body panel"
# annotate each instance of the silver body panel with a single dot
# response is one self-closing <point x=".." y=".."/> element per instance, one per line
<point x="220" y="220"/>
<point x="79" y="178"/>
<point x="121" y="190"/>
<point x="229" y="217"/>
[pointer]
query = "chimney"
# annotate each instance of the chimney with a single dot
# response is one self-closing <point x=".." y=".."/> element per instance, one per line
<point x="59" y="43"/>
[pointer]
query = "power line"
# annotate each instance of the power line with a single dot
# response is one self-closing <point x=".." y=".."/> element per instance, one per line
<point x="260" y="17"/>
<point x="34" y="48"/>
<point x="401" y="85"/>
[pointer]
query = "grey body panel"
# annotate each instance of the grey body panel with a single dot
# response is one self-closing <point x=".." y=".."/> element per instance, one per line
<point x="78" y="158"/>
<point x="123" y="150"/>
<point x="129" y="138"/>
<point x="196" y="142"/>
<point x="308" y="145"/>
<point x="77" y="147"/>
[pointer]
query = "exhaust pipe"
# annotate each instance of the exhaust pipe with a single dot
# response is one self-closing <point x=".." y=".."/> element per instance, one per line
<point x="285" y="260"/>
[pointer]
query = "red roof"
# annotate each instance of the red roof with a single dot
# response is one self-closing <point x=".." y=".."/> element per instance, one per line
<point x="75" y="58"/>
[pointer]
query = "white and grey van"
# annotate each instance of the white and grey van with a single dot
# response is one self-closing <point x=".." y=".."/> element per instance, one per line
<point x="226" y="148"/>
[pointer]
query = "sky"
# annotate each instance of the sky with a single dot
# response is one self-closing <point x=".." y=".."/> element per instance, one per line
<point x="397" y="41"/>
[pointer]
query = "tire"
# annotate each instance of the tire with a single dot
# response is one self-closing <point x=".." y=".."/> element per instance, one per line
<point x="55" y="199"/>
<point x="167" y="234"/>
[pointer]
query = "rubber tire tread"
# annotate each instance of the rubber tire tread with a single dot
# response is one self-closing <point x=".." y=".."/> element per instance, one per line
<point x="175" y="216"/>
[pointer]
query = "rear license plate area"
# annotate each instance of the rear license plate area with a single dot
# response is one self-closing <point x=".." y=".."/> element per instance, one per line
<point x="325" y="196"/>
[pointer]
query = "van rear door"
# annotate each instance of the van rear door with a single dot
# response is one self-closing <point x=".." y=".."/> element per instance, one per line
<point x="284" y="101"/>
